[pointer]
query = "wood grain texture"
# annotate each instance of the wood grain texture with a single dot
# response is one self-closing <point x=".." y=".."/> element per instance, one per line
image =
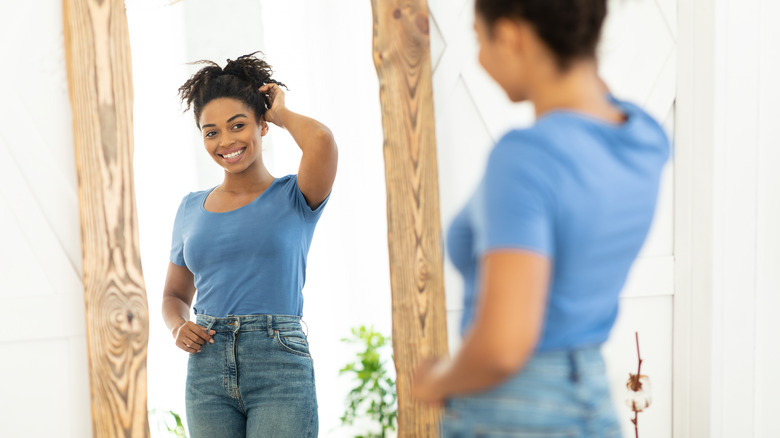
<point x="99" y="73"/>
<point x="403" y="64"/>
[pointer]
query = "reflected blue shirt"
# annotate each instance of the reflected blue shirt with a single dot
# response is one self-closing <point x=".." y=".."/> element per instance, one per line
<point x="579" y="191"/>
<point x="251" y="260"/>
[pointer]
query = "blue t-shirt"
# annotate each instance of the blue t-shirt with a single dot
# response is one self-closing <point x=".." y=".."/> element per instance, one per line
<point x="251" y="260"/>
<point x="579" y="191"/>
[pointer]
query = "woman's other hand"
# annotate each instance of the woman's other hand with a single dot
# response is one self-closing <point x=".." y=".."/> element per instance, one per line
<point x="425" y="386"/>
<point x="190" y="337"/>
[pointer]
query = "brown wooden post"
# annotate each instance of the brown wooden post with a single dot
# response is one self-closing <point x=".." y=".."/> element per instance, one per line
<point x="99" y="72"/>
<point x="403" y="63"/>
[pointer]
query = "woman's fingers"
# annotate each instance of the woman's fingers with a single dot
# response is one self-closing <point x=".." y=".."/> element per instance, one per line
<point x="188" y="348"/>
<point x="206" y="335"/>
<point x="274" y="93"/>
<point x="193" y="340"/>
<point x="191" y="337"/>
<point x="276" y="106"/>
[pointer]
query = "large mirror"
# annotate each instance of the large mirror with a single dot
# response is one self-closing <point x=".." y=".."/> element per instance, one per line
<point x="322" y="51"/>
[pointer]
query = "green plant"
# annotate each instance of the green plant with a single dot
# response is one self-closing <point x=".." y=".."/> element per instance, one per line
<point x="374" y="395"/>
<point x="169" y="420"/>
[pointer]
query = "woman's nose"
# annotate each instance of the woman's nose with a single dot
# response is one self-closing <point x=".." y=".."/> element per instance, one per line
<point x="225" y="140"/>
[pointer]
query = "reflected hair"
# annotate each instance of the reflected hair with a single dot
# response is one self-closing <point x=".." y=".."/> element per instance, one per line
<point x="570" y="28"/>
<point x="240" y="79"/>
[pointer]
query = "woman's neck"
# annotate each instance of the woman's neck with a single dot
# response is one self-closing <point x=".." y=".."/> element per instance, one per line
<point x="578" y="89"/>
<point x="255" y="178"/>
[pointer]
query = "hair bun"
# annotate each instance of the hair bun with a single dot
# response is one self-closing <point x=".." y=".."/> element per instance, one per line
<point x="240" y="79"/>
<point x="251" y="69"/>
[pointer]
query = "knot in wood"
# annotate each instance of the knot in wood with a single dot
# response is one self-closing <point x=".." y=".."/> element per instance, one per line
<point x="422" y="23"/>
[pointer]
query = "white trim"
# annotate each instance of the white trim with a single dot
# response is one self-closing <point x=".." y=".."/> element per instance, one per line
<point x="694" y="167"/>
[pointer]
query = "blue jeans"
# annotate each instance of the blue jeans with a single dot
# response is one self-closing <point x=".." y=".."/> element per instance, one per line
<point x="557" y="394"/>
<point x="256" y="380"/>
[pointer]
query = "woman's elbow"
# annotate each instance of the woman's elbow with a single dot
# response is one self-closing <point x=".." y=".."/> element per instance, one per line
<point x="507" y="358"/>
<point x="509" y="363"/>
<point x="324" y="137"/>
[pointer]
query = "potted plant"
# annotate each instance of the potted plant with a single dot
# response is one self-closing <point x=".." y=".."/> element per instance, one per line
<point x="374" y="395"/>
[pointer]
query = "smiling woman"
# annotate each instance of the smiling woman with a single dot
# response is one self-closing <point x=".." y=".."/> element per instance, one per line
<point x="242" y="246"/>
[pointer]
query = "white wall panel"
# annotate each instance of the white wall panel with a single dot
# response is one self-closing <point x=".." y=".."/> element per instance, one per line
<point x="767" y="326"/>
<point x="37" y="380"/>
<point x="44" y="388"/>
<point x="728" y="249"/>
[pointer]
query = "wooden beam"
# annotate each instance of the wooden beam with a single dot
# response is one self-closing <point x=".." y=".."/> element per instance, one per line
<point x="99" y="72"/>
<point x="403" y="64"/>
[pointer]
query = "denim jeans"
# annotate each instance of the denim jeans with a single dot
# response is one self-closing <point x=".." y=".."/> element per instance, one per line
<point x="256" y="380"/>
<point x="556" y="394"/>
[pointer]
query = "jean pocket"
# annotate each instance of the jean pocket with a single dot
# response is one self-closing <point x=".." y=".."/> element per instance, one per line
<point x="293" y="342"/>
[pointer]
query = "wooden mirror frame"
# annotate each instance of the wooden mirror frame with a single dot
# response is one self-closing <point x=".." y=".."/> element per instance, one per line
<point x="101" y="91"/>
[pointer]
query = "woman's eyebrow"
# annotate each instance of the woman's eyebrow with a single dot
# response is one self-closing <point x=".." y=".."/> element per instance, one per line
<point x="235" y="117"/>
<point x="211" y="125"/>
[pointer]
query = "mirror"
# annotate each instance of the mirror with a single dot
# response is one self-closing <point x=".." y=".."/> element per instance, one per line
<point x="322" y="51"/>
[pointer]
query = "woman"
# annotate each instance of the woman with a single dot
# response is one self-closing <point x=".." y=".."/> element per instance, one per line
<point x="545" y="243"/>
<point x="242" y="245"/>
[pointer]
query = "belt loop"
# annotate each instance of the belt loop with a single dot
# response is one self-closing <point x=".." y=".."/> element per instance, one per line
<point x="573" y="366"/>
<point x="269" y="325"/>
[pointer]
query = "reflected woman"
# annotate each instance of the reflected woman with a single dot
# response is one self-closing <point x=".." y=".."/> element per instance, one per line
<point x="546" y="241"/>
<point x="242" y="246"/>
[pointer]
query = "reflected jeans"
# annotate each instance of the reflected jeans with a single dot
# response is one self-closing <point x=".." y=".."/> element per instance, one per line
<point x="558" y="394"/>
<point x="256" y="380"/>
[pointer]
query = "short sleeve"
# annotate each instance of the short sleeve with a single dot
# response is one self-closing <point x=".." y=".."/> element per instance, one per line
<point x="177" y="240"/>
<point x="309" y="214"/>
<point x="515" y="209"/>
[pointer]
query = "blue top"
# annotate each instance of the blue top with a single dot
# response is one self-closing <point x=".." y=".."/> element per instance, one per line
<point x="577" y="190"/>
<point x="251" y="260"/>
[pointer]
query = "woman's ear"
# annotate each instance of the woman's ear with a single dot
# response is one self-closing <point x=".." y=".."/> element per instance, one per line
<point x="263" y="127"/>
<point x="508" y="35"/>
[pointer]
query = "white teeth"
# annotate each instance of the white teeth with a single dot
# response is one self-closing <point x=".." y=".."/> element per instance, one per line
<point x="234" y="154"/>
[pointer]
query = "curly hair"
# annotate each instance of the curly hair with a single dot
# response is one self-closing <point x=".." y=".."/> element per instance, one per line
<point x="240" y="79"/>
<point x="570" y="28"/>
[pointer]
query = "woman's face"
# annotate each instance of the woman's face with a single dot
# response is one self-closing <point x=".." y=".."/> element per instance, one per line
<point x="230" y="134"/>
<point x="503" y="54"/>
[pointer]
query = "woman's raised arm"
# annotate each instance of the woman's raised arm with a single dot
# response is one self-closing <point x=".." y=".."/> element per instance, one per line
<point x="317" y="170"/>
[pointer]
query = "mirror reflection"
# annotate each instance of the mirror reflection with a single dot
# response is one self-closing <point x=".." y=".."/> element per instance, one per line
<point x="323" y="55"/>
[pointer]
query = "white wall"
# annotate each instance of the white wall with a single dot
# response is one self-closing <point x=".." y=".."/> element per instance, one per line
<point x="44" y="384"/>
<point x="730" y="248"/>
<point x="165" y="165"/>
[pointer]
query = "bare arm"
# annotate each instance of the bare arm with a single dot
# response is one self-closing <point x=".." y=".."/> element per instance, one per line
<point x="317" y="170"/>
<point x="178" y="292"/>
<point x="506" y="329"/>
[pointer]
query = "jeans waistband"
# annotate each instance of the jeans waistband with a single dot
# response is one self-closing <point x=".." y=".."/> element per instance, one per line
<point x="237" y="323"/>
<point x="574" y="362"/>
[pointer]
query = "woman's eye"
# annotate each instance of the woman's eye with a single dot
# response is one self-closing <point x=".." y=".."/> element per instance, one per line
<point x="238" y="126"/>
<point x="210" y="134"/>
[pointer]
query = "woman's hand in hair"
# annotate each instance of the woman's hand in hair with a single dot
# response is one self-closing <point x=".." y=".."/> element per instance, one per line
<point x="276" y="104"/>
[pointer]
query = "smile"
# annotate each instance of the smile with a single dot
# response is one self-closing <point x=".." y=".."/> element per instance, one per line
<point x="233" y="155"/>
